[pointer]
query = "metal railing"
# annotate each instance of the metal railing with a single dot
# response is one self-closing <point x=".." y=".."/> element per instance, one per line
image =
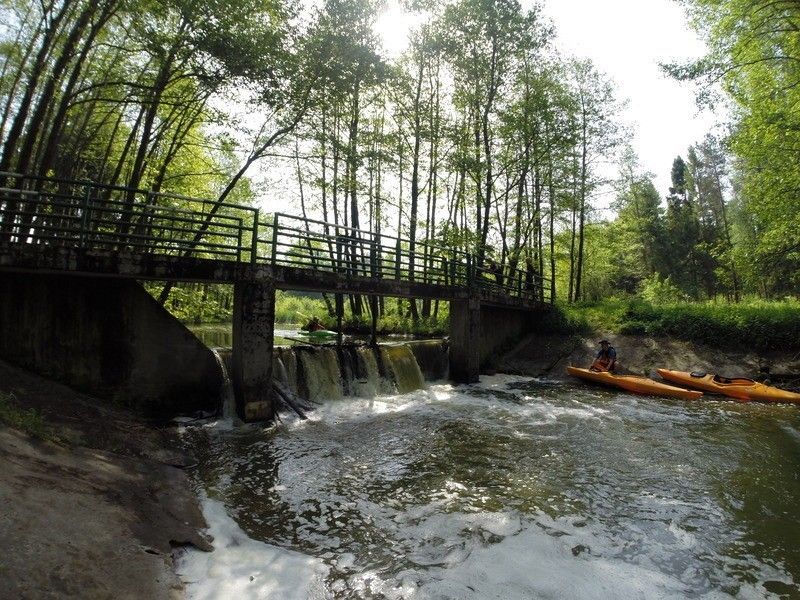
<point x="53" y="212"/>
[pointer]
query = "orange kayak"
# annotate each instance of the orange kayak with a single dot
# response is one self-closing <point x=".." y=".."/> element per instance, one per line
<point x="740" y="388"/>
<point x="635" y="383"/>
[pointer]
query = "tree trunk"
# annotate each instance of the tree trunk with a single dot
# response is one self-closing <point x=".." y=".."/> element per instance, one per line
<point x="37" y="69"/>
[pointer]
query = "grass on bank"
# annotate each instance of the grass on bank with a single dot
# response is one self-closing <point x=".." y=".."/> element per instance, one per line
<point x="29" y="421"/>
<point x="757" y="324"/>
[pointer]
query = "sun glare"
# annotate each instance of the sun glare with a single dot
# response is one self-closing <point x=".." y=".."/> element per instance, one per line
<point x="393" y="26"/>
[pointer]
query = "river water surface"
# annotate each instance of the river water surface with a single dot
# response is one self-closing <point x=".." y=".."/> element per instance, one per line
<point x="509" y="489"/>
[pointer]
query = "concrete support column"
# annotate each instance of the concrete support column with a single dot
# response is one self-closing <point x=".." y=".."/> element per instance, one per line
<point x="253" y="325"/>
<point x="465" y="336"/>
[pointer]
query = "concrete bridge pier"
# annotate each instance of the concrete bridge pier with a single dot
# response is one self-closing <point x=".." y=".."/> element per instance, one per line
<point x="251" y="361"/>
<point x="465" y="336"/>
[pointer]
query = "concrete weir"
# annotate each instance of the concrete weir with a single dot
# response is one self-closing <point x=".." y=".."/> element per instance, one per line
<point x="109" y="337"/>
<point x="71" y="307"/>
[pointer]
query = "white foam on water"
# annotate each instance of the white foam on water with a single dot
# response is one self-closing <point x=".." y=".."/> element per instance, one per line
<point x="531" y="410"/>
<point x="793" y="433"/>
<point x="550" y="559"/>
<point x="359" y="408"/>
<point x="242" y="568"/>
<point x="533" y="564"/>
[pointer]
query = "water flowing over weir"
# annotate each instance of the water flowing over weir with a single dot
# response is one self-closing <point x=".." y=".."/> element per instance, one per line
<point x="320" y="373"/>
<point x="226" y="397"/>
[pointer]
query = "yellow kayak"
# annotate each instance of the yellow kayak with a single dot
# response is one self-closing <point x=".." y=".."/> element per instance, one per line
<point x="634" y="383"/>
<point x="739" y="388"/>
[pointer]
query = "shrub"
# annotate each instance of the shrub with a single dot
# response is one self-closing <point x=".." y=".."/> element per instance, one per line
<point x="660" y="291"/>
<point x="762" y="326"/>
<point x="30" y="421"/>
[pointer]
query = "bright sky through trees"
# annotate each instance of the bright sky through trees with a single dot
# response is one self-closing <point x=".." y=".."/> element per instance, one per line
<point x="627" y="39"/>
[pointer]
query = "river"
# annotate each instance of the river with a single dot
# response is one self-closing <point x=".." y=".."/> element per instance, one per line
<point x="220" y="335"/>
<point x="513" y="488"/>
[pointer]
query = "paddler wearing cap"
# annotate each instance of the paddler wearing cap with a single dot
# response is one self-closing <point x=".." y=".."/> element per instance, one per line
<point x="606" y="358"/>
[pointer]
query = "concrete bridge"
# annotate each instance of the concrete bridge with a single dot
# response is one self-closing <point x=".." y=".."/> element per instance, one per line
<point x="56" y="228"/>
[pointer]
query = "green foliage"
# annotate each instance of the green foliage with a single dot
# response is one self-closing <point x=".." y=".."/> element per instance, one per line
<point x="753" y="53"/>
<point x="294" y="308"/>
<point x="197" y="302"/>
<point x="758" y="325"/>
<point x="605" y="315"/>
<point x="752" y="324"/>
<point x="30" y="421"/>
<point x="658" y="290"/>
<point x="399" y="324"/>
<point x="565" y="319"/>
<point x="206" y="304"/>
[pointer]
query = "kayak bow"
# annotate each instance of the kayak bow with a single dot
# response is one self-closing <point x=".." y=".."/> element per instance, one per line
<point x="739" y="388"/>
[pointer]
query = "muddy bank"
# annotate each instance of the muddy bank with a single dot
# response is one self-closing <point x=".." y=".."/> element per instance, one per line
<point x="95" y="508"/>
<point x="549" y="356"/>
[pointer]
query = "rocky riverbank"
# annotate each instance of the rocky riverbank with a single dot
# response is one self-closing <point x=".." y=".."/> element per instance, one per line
<point x="94" y="503"/>
<point x="548" y="356"/>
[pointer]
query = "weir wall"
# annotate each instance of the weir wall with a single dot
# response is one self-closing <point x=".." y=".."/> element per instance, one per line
<point x="501" y="328"/>
<point x="480" y="332"/>
<point x="109" y="338"/>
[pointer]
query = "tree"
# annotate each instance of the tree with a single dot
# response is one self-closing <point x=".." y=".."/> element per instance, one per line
<point x="754" y="56"/>
<point x="597" y="136"/>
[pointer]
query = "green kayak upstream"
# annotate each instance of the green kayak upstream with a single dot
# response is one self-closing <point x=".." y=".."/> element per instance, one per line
<point x="320" y="334"/>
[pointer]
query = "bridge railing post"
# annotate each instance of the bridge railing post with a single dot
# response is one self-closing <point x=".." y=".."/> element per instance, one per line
<point x="254" y="241"/>
<point x="470" y="276"/>
<point x="274" y="255"/>
<point x="373" y="256"/>
<point x="84" y="231"/>
<point x="338" y="251"/>
<point x="239" y="228"/>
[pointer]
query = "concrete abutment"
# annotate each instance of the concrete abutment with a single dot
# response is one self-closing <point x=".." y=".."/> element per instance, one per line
<point x="109" y="338"/>
<point x="465" y="334"/>
<point x="251" y="361"/>
<point x="479" y="332"/>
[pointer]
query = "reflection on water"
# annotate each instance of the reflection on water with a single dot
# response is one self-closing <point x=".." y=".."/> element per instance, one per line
<point x="220" y="335"/>
<point x="524" y="489"/>
<point x="214" y="335"/>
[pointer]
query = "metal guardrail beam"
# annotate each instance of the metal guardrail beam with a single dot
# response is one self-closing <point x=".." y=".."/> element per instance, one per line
<point x="56" y="212"/>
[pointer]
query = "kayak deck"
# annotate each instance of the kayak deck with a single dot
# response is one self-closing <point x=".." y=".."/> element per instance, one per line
<point x="634" y="383"/>
<point x="738" y="388"/>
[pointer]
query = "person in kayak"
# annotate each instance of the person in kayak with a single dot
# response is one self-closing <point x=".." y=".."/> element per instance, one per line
<point x="314" y="325"/>
<point x="606" y="359"/>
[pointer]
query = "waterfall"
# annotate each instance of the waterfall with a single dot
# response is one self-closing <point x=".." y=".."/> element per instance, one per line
<point x="404" y="367"/>
<point x="227" y="399"/>
<point x="321" y="374"/>
<point x="432" y="357"/>
<point x="369" y="382"/>
<point x="330" y="373"/>
<point x="279" y="371"/>
<point x="284" y="368"/>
